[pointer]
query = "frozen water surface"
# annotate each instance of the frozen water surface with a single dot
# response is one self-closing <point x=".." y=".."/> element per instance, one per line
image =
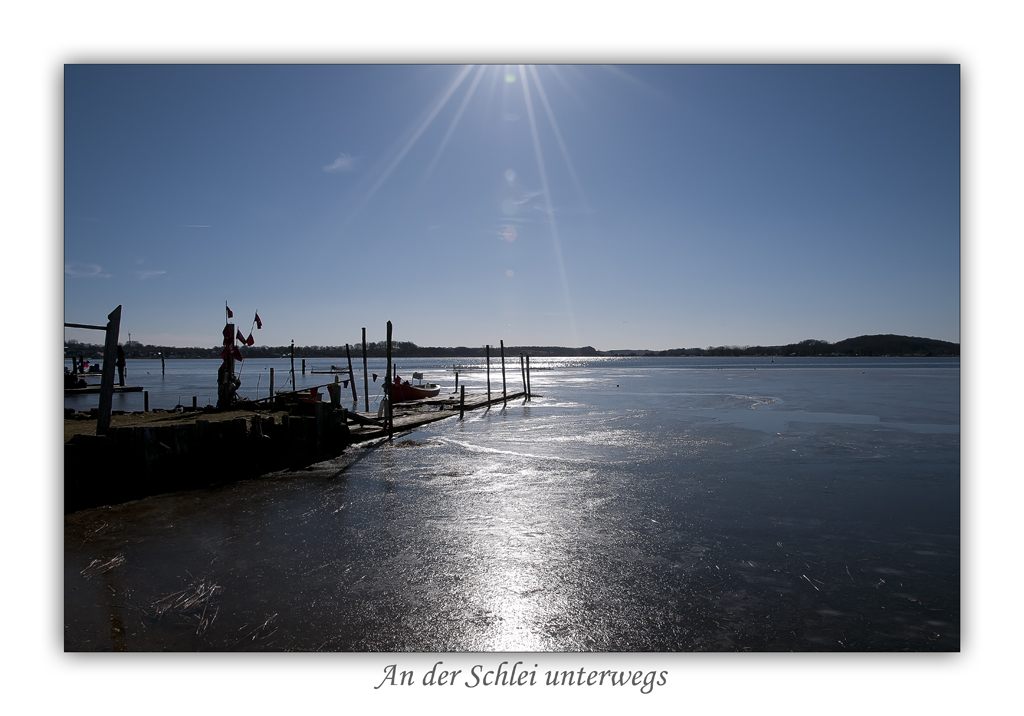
<point x="641" y="504"/>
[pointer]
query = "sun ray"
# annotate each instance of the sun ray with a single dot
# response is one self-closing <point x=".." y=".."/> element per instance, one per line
<point x="567" y="87"/>
<point x="636" y="82"/>
<point x="549" y="208"/>
<point x="455" y="120"/>
<point x="441" y="102"/>
<point x="558" y="134"/>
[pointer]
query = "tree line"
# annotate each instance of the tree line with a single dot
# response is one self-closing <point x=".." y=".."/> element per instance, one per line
<point x="374" y="349"/>
<point x="874" y="345"/>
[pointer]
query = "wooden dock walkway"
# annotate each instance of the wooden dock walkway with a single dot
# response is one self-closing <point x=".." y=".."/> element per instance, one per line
<point x="416" y="413"/>
<point x="94" y="389"/>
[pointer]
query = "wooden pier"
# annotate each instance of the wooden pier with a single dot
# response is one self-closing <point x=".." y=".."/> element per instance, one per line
<point x="287" y="430"/>
<point x="417" y="413"/>
<point x="93" y="389"/>
<point x="150" y="453"/>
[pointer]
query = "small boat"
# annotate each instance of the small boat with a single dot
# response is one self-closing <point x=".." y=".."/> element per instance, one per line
<point x="403" y="391"/>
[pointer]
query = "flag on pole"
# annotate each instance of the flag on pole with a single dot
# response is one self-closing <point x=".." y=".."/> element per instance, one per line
<point x="227" y="334"/>
<point x="239" y="336"/>
<point x="250" y="340"/>
<point x="259" y="323"/>
<point x="230" y="314"/>
<point x="374" y="377"/>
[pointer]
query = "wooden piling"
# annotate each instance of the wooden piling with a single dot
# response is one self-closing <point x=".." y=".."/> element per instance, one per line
<point x="195" y="402"/>
<point x="293" y="365"/>
<point x="351" y="377"/>
<point x="366" y="380"/>
<point x="145" y="401"/>
<point x="163" y="368"/>
<point x="522" y="369"/>
<point x="504" y="392"/>
<point x="107" y="383"/>
<point x="456" y="381"/>
<point x="303" y="366"/>
<point x="387" y="387"/>
<point x="529" y="395"/>
<point x="271" y="386"/>
<point x="488" y="347"/>
<point x="462" y="403"/>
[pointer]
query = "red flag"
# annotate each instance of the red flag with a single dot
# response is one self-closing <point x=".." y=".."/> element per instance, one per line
<point x="240" y="337"/>
<point x="235" y="353"/>
<point x="374" y="377"/>
<point x="250" y="340"/>
<point x="230" y="314"/>
<point x="227" y="334"/>
<point x="259" y="323"/>
<point x="346" y="383"/>
<point x="224" y="354"/>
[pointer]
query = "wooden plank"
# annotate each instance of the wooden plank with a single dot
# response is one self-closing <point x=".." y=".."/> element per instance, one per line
<point x="416" y="413"/>
<point x="351" y="377"/>
<point x="109" y="358"/>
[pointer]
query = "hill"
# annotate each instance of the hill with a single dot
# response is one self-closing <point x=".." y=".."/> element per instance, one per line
<point x="876" y="345"/>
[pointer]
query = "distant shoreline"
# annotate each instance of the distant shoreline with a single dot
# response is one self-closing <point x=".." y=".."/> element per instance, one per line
<point x="860" y="347"/>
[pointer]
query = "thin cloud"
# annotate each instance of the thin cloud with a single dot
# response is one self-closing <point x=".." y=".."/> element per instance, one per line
<point x="143" y="275"/>
<point x="344" y="163"/>
<point x="84" y="271"/>
<point x="198" y="226"/>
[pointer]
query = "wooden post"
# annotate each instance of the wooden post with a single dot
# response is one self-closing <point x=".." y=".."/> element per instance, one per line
<point x="529" y="392"/>
<point x="387" y="387"/>
<point x="366" y="380"/>
<point x="195" y="402"/>
<point x="522" y="369"/>
<point x="107" y="383"/>
<point x="145" y="401"/>
<point x="163" y="368"/>
<point x="351" y="378"/>
<point x="293" y="365"/>
<point x="303" y="366"/>
<point x="488" y="347"/>
<point x="271" y="388"/>
<point x="462" y="404"/>
<point x="456" y="381"/>
<point x="504" y="392"/>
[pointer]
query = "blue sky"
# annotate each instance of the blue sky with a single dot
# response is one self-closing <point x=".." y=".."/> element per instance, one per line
<point x="633" y="206"/>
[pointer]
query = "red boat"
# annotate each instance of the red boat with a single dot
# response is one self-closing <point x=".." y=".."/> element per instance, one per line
<point x="403" y="391"/>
